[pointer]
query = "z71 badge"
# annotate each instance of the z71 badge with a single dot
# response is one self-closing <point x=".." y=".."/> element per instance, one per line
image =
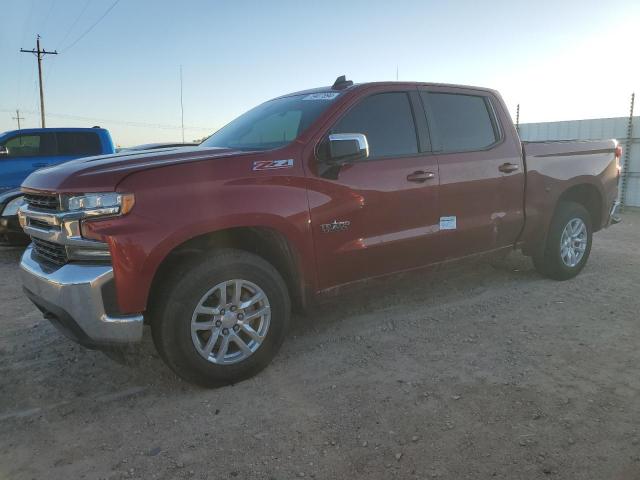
<point x="335" y="226"/>
<point x="272" y="164"/>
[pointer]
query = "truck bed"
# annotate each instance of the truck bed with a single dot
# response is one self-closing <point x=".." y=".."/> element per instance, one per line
<point x="553" y="168"/>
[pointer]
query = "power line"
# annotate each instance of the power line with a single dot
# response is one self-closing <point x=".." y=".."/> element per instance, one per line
<point x="117" y="122"/>
<point x="27" y="22"/>
<point x="22" y="40"/>
<point x="75" y="22"/>
<point x="68" y="47"/>
<point x="46" y="19"/>
<point x="53" y="62"/>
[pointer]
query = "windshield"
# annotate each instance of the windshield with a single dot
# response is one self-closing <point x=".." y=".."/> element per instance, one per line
<point x="273" y="124"/>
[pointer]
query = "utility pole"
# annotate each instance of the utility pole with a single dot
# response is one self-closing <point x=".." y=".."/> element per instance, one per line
<point x="40" y="53"/>
<point x="18" y="117"/>
<point x="181" y="105"/>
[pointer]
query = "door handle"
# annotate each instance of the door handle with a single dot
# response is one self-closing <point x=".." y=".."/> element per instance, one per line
<point x="508" y="167"/>
<point x="420" y="176"/>
<point x="39" y="165"/>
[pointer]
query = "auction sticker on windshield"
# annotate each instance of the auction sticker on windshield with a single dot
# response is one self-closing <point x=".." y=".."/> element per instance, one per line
<point x="321" y="96"/>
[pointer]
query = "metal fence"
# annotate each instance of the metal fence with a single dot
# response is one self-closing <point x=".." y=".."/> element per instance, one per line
<point x="598" y="129"/>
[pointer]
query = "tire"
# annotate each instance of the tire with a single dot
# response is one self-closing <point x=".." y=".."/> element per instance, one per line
<point x="174" y="317"/>
<point x="553" y="261"/>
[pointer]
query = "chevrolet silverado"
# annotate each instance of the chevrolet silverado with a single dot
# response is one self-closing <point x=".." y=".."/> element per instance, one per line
<point x="212" y="246"/>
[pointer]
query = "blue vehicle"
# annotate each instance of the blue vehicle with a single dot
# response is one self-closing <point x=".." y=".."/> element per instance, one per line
<point x="25" y="151"/>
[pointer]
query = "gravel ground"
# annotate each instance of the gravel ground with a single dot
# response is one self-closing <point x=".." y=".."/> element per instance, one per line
<point x="474" y="370"/>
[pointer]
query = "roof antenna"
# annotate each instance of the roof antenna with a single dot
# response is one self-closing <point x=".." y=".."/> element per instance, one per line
<point x="341" y="82"/>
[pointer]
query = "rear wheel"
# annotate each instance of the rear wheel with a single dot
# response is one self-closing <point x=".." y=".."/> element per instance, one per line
<point x="221" y="319"/>
<point x="568" y="243"/>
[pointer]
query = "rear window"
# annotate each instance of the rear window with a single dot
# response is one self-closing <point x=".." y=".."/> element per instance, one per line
<point x="461" y="122"/>
<point x="31" y="145"/>
<point x="78" y="143"/>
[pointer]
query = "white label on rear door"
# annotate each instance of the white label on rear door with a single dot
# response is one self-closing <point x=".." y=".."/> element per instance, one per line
<point x="321" y="96"/>
<point x="448" y="223"/>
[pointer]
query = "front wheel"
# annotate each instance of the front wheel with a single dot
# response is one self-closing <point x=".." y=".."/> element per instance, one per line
<point x="222" y="318"/>
<point x="568" y="243"/>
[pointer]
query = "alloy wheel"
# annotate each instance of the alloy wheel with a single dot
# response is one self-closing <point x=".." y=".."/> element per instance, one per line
<point x="230" y="322"/>
<point x="573" y="242"/>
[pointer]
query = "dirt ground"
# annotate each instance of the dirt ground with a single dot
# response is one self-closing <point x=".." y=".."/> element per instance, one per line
<point x="471" y="371"/>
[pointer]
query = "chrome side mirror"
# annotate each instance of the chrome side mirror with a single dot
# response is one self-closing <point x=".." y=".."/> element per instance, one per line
<point x="339" y="149"/>
<point x="346" y="147"/>
<point x="4" y="151"/>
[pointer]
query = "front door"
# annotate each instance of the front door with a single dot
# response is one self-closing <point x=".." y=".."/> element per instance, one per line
<point x="379" y="215"/>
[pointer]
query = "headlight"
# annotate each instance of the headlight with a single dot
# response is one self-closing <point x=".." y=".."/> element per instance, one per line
<point x="102" y="203"/>
<point x="12" y="207"/>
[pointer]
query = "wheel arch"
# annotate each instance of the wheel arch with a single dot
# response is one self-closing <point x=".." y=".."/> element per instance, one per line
<point x="587" y="195"/>
<point x="266" y="242"/>
<point x="541" y="208"/>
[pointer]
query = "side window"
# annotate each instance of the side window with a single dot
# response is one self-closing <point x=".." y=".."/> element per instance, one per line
<point x="30" y="145"/>
<point x="462" y="122"/>
<point x="78" y="143"/>
<point x="386" y="120"/>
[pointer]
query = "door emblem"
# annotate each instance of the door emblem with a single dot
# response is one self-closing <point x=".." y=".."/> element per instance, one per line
<point x="335" y="226"/>
<point x="272" y="164"/>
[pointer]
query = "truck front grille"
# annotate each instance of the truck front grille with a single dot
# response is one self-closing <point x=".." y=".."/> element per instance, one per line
<point x="42" y="201"/>
<point x="52" y="252"/>
<point x="33" y="222"/>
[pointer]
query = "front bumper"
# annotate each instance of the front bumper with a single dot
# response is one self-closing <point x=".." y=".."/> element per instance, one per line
<point x="79" y="299"/>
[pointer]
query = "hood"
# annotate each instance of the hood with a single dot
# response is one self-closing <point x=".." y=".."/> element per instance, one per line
<point x="105" y="172"/>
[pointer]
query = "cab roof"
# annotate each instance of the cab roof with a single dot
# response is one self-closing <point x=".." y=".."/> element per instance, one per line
<point x="355" y="86"/>
<point x="54" y="130"/>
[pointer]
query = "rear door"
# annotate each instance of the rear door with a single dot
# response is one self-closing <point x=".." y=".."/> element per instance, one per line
<point x="379" y="215"/>
<point x="481" y="171"/>
<point x="27" y="153"/>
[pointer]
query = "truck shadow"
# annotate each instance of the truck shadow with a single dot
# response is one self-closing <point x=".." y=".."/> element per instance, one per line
<point x="44" y="372"/>
<point x="440" y="284"/>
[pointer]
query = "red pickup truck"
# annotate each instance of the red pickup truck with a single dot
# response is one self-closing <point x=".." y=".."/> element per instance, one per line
<point x="212" y="245"/>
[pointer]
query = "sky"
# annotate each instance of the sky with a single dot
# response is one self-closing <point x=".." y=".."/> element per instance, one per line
<point x="560" y="60"/>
